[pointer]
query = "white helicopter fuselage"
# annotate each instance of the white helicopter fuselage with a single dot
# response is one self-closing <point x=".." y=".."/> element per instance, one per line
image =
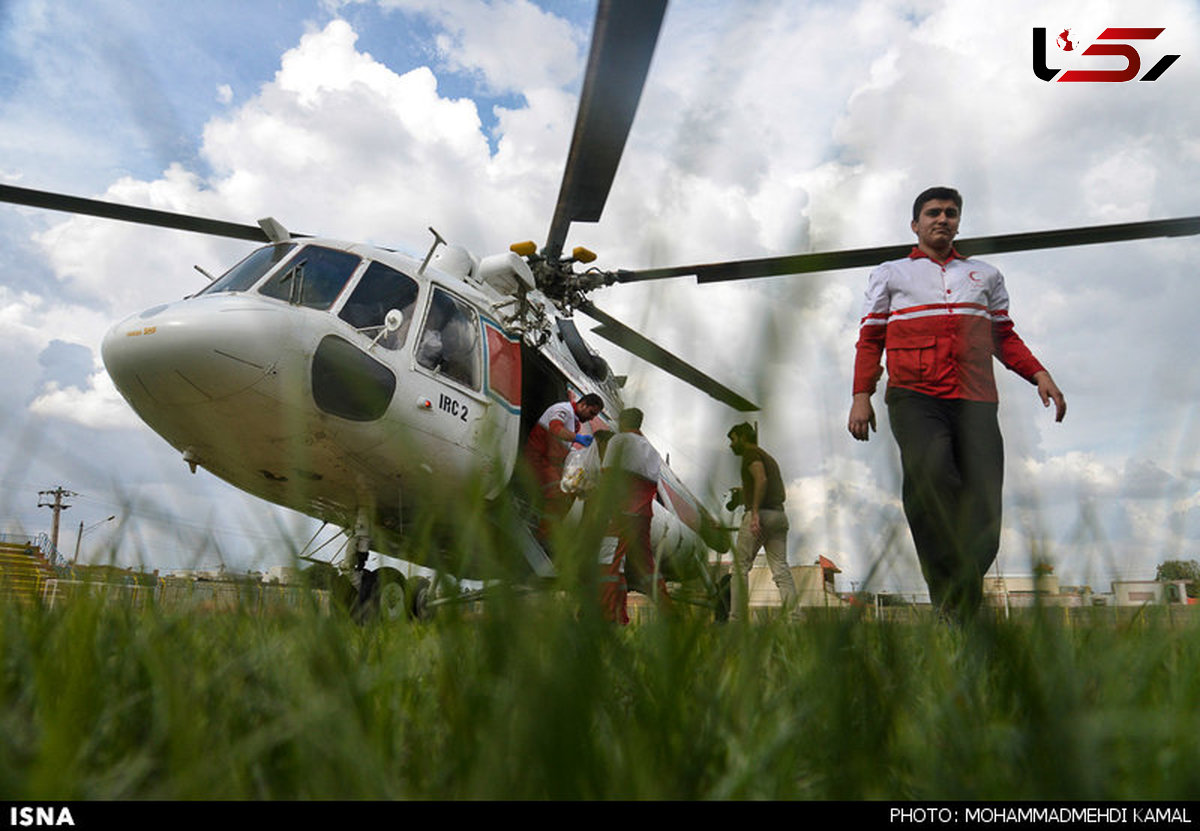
<point x="328" y="377"/>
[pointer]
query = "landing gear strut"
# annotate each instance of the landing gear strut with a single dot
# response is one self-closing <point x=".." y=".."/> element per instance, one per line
<point x="360" y="538"/>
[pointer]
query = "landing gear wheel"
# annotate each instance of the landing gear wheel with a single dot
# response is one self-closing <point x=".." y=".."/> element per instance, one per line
<point x="418" y="599"/>
<point x="390" y="594"/>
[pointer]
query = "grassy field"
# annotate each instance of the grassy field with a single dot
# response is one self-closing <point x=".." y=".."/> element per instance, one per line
<point x="537" y="698"/>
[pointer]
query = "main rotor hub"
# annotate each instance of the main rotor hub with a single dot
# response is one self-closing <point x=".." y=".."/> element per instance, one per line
<point x="556" y="277"/>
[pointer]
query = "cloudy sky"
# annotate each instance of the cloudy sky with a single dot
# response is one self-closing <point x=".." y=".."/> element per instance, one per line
<point x="766" y="128"/>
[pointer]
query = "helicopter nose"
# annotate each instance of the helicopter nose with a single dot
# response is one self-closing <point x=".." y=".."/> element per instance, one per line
<point x="193" y="351"/>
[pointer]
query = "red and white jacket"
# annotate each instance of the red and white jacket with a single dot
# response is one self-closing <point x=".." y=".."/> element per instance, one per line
<point x="544" y="451"/>
<point x="940" y="324"/>
<point x="640" y="466"/>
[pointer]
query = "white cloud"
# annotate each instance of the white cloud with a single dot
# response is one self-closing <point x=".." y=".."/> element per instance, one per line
<point x="99" y="407"/>
<point x="1120" y="187"/>
<point x="512" y="46"/>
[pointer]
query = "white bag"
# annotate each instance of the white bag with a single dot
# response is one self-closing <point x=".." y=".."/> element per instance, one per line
<point x="581" y="469"/>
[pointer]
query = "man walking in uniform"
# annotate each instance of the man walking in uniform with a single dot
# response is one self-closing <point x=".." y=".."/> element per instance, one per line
<point x="941" y="317"/>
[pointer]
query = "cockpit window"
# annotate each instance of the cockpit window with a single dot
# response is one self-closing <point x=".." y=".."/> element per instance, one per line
<point x="246" y="273"/>
<point x="450" y="341"/>
<point x="380" y="290"/>
<point x="313" y="277"/>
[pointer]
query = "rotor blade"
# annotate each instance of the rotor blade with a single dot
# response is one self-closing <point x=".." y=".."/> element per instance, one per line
<point x="623" y="40"/>
<point x="867" y="257"/>
<point x="128" y="213"/>
<point x="646" y="349"/>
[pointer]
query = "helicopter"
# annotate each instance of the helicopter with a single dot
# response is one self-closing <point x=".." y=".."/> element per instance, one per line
<point x="368" y="388"/>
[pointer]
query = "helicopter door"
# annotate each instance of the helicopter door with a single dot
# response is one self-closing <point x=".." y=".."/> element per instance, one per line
<point x="449" y="345"/>
<point x="449" y="348"/>
<point x="468" y="428"/>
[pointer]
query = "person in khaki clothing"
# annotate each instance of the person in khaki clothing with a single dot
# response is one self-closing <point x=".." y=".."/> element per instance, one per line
<point x="764" y="524"/>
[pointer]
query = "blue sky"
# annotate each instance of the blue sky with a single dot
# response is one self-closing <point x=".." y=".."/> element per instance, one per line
<point x="766" y="128"/>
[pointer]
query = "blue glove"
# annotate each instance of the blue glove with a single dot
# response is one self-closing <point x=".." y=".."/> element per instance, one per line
<point x="583" y="439"/>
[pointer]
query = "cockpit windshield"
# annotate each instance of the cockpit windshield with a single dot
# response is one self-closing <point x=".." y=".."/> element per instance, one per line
<point x="246" y="273"/>
<point x="313" y="277"/>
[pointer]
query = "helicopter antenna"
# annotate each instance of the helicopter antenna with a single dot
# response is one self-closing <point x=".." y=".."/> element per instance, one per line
<point x="437" y="240"/>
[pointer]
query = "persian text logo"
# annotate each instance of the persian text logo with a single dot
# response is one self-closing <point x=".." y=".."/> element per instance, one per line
<point x="1115" y="43"/>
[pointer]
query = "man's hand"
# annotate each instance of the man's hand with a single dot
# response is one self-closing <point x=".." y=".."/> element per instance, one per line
<point x="1048" y="391"/>
<point x="862" y="416"/>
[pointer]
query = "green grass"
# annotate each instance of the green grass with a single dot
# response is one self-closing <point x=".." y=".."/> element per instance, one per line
<point x="536" y="698"/>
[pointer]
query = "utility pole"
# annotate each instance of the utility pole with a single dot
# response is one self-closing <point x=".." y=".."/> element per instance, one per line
<point x="57" y="506"/>
<point x="82" y="531"/>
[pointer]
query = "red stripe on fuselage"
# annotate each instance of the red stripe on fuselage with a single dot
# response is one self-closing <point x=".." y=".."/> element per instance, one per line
<point x="504" y="365"/>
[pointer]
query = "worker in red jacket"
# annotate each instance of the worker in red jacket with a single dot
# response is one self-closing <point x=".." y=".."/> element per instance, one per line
<point x="546" y="449"/>
<point x="941" y="317"/>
